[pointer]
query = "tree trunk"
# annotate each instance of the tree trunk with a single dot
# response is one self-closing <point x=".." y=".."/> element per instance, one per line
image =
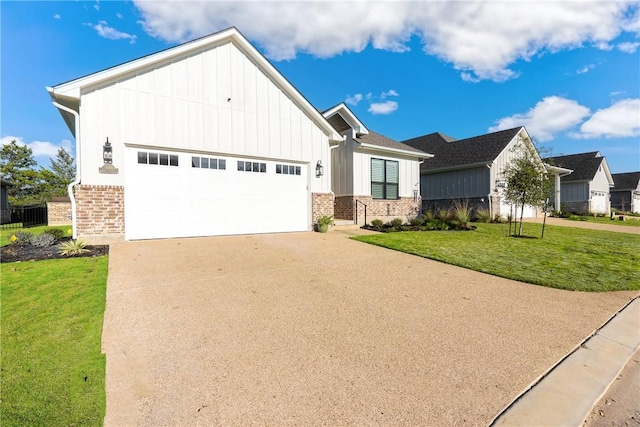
<point x="521" y="214"/>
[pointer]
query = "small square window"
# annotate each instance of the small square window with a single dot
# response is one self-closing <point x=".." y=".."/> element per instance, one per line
<point x="164" y="159"/>
<point x="240" y="165"/>
<point x="195" y="162"/>
<point x="298" y="171"/>
<point x="142" y="157"/>
<point x="256" y="167"/>
<point x="213" y="163"/>
<point x="247" y="166"/>
<point x="173" y="160"/>
<point x="285" y="169"/>
<point x="204" y="163"/>
<point x="263" y="167"/>
<point x="222" y="164"/>
<point x="153" y="158"/>
<point x="278" y="168"/>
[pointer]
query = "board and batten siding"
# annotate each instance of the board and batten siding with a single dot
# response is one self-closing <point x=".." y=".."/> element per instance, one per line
<point x="216" y="101"/>
<point x="574" y="192"/>
<point x="408" y="172"/>
<point x="457" y="184"/>
<point x="600" y="182"/>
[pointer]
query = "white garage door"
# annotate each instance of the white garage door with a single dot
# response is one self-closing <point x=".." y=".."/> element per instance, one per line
<point x="185" y="195"/>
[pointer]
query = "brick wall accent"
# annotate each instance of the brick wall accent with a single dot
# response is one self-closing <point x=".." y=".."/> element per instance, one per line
<point x="99" y="209"/>
<point x="404" y="208"/>
<point x="59" y="213"/>
<point x="321" y="204"/>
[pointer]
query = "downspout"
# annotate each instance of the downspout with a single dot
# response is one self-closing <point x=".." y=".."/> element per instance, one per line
<point x="489" y="196"/>
<point x="76" y="181"/>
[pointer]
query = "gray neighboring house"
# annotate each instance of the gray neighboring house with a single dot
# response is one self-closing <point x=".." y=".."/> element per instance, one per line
<point x="471" y="169"/>
<point x="5" y="216"/>
<point x="586" y="190"/>
<point x="625" y="195"/>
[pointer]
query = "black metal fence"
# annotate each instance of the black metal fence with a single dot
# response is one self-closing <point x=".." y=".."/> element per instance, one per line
<point x="24" y="217"/>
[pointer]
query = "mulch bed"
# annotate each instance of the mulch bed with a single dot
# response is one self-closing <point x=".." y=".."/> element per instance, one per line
<point x="15" y="253"/>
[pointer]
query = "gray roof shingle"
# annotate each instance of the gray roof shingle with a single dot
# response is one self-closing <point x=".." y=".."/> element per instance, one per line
<point x="584" y="165"/>
<point x="626" y="181"/>
<point x="449" y="152"/>
<point x="374" y="138"/>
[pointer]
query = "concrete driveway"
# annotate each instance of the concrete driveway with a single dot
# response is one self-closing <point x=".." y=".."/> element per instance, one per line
<point x="316" y="329"/>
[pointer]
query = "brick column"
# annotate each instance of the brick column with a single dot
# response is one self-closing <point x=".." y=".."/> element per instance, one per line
<point x="99" y="210"/>
<point x="321" y="204"/>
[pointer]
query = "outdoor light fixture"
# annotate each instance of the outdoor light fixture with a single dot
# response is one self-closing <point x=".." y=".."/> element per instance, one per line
<point x="319" y="168"/>
<point x="107" y="153"/>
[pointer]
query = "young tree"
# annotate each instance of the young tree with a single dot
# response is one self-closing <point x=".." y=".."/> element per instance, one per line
<point x="62" y="173"/>
<point x="17" y="165"/>
<point x="528" y="182"/>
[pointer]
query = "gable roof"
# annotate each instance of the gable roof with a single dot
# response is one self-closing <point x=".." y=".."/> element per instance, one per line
<point x="68" y="93"/>
<point x="584" y="165"/>
<point x="626" y="181"/>
<point x="452" y="153"/>
<point x="342" y="118"/>
<point x="377" y="141"/>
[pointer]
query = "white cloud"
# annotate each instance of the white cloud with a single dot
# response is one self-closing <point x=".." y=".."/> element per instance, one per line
<point x="628" y="47"/>
<point x="57" y="16"/>
<point x="39" y="148"/>
<point x="550" y="116"/>
<point x="96" y="6"/>
<point x="104" y="30"/>
<point x="390" y="92"/>
<point x="119" y="16"/>
<point x="621" y="120"/>
<point x="585" y="69"/>
<point x="354" y="100"/>
<point x="386" y="107"/>
<point x="481" y="39"/>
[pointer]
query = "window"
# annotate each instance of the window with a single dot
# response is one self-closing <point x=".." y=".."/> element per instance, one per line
<point x="208" y="163"/>
<point x="146" y="158"/>
<point x="384" y="179"/>
<point x="248" y="166"/>
<point x="288" y="170"/>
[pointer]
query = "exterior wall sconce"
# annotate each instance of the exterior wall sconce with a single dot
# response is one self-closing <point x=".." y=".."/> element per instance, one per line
<point x="107" y="153"/>
<point x="319" y="169"/>
<point x="107" y="158"/>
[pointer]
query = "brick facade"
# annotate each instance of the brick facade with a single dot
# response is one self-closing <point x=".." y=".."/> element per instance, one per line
<point x="321" y="204"/>
<point x="59" y="211"/>
<point x="404" y="208"/>
<point x="99" y="209"/>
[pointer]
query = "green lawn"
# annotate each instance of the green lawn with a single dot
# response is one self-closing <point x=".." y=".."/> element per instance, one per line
<point x="567" y="258"/>
<point x="606" y="220"/>
<point x="53" y="370"/>
<point x="5" y="235"/>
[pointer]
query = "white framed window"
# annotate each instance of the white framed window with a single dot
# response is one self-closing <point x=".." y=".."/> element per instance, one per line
<point x="160" y="159"/>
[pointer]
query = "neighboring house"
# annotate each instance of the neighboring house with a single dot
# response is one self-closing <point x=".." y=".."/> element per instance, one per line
<point x="206" y="138"/>
<point x="586" y="190"/>
<point x="5" y="211"/>
<point x="471" y="169"/>
<point x="625" y="195"/>
<point x="369" y="169"/>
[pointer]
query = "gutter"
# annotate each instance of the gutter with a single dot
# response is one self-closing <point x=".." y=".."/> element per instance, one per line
<point x="76" y="181"/>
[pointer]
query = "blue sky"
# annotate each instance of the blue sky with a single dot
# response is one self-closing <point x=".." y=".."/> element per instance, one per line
<point x="568" y="71"/>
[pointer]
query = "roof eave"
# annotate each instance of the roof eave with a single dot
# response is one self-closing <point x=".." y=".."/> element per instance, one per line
<point x="395" y="151"/>
<point x="457" y="167"/>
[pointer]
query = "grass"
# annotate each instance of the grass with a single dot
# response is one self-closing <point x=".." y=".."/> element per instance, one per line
<point x="567" y="258"/>
<point x="606" y="220"/>
<point x="5" y="235"/>
<point x="53" y="370"/>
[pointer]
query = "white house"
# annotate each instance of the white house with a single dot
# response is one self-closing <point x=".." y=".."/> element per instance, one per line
<point x="206" y="138"/>
<point x="625" y="195"/>
<point x="587" y="189"/>
<point x="372" y="172"/>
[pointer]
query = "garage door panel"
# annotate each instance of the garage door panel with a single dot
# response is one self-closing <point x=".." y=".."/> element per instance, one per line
<point x="186" y="201"/>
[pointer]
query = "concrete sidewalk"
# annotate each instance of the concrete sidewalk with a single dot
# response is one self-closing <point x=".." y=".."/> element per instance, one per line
<point x="566" y="394"/>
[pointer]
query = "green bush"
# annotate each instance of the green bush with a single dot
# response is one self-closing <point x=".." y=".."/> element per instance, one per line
<point x="72" y="247"/>
<point x="416" y="222"/>
<point x="483" y="215"/>
<point x="22" y="238"/>
<point x="443" y="214"/>
<point x="377" y="223"/>
<point x="397" y="222"/>
<point x="57" y="233"/>
<point x="428" y="216"/>
<point x="43" y="240"/>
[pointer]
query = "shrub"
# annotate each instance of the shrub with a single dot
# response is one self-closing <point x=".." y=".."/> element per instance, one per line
<point x="416" y="222"/>
<point x="443" y="214"/>
<point x="462" y="213"/>
<point x="72" y="247"/>
<point x="43" y="240"/>
<point x="396" y="222"/>
<point x="57" y="233"/>
<point x="377" y="223"/>
<point x="22" y="238"/>
<point x="483" y="215"/>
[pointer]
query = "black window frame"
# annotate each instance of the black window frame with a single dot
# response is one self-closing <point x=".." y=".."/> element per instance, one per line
<point x="386" y="185"/>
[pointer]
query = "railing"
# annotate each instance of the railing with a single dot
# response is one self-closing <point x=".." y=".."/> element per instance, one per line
<point x="365" y="211"/>
<point x="23" y="217"/>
